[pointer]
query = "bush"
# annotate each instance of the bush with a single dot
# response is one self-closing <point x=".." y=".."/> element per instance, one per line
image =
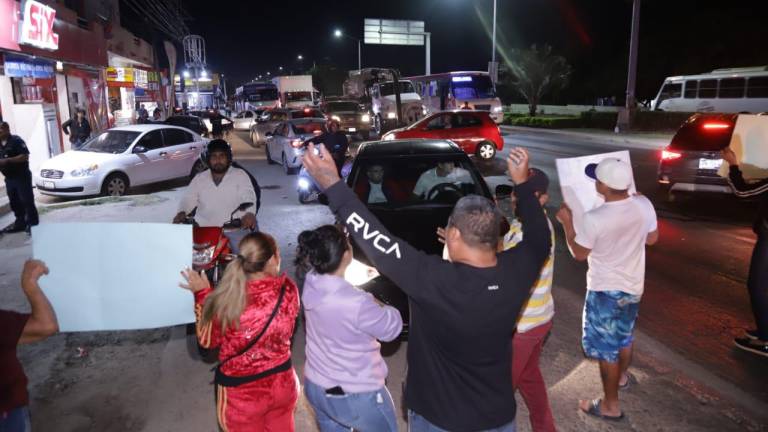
<point x="598" y="120"/>
<point x="545" y="122"/>
<point x="659" y="120"/>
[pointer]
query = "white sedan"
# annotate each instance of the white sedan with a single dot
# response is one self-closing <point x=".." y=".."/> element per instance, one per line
<point x="120" y="158"/>
<point x="245" y="119"/>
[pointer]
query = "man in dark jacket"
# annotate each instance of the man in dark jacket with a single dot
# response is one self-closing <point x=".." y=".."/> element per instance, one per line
<point x="78" y="129"/>
<point x="335" y="141"/>
<point x="14" y="164"/>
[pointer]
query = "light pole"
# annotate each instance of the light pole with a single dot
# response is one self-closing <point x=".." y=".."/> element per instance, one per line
<point x="494" y="72"/>
<point x="624" y="120"/>
<point x="338" y="34"/>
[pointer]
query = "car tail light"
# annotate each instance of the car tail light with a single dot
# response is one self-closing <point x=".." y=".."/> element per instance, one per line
<point x="667" y="155"/>
<point x="296" y="143"/>
<point x="715" y="126"/>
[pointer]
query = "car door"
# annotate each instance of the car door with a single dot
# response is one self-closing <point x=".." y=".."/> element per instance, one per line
<point x="278" y="141"/>
<point x="181" y="152"/>
<point x="148" y="153"/>
<point x="465" y="131"/>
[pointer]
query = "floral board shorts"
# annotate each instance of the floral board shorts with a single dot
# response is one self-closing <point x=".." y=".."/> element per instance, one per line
<point x="607" y="323"/>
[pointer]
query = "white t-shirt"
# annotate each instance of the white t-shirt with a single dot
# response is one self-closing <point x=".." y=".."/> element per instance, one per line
<point x="376" y="194"/>
<point x="216" y="203"/>
<point x="616" y="233"/>
<point x="430" y="179"/>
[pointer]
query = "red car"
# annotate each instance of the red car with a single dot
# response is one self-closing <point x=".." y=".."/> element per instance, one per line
<point x="474" y="131"/>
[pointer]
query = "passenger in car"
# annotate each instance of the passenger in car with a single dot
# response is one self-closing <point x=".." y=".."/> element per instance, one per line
<point x="444" y="172"/>
<point x="374" y="190"/>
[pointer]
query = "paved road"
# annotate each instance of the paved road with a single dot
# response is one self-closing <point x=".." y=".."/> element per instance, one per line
<point x="695" y="300"/>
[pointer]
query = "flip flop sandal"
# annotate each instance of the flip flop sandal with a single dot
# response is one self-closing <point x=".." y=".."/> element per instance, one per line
<point x="630" y="380"/>
<point x="594" y="411"/>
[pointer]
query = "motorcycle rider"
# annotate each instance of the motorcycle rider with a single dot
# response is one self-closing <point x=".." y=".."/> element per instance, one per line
<point x="335" y="140"/>
<point x="219" y="190"/>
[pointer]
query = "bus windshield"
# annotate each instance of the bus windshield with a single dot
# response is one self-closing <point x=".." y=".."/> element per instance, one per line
<point x="472" y="87"/>
<point x="388" y="88"/>
<point x="259" y="95"/>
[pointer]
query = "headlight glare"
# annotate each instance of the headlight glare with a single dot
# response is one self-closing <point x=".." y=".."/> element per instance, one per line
<point x="365" y="118"/>
<point x="358" y="273"/>
<point x="391" y="115"/>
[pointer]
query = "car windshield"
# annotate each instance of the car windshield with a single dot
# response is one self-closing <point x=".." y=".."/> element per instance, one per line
<point x="389" y="88"/>
<point x="342" y="106"/>
<point x="472" y="87"/>
<point x="306" y="128"/>
<point x="115" y="141"/>
<point x="415" y="181"/>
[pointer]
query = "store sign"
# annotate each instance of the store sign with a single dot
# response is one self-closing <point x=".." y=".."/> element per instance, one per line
<point x="22" y="66"/>
<point x="140" y="78"/>
<point x="37" y="27"/>
<point x="119" y="74"/>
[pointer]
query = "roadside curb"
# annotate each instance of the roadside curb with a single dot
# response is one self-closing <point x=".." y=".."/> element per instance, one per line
<point x="617" y="139"/>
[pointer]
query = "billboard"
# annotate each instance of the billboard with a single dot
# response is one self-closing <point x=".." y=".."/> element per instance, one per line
<point x="393" y="32"/>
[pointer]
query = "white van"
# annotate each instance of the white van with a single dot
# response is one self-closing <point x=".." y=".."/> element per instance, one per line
<point x="732" y="90"/>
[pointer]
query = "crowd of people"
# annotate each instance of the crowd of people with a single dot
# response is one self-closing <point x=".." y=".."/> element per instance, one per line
<point x="479" y="315"/>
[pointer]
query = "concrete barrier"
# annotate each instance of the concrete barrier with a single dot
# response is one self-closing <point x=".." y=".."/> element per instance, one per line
<point x="571" y="110"/>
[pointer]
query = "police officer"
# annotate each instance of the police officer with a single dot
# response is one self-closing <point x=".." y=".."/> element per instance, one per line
<point x="14" y="164"/>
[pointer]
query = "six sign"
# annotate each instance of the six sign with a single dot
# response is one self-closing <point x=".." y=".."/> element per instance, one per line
<point x="37" y="28"/>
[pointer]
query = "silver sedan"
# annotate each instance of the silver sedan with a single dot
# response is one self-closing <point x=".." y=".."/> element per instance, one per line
<point x="285" y="144"/>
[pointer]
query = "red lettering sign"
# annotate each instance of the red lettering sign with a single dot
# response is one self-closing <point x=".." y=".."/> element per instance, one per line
<point x="37" y="28"/>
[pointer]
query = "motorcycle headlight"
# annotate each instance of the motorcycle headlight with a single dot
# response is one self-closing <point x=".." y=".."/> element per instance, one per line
<point x="391" y="115"/>
<point x="359" y="274"/>
<point x="303" y="183"/>
<point x="82" y="172"/>
<point x="365" y="118"/>
<point x="201" y="257"/>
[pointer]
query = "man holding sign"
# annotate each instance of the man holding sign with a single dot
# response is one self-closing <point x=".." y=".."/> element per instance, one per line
<point x="612" y="238"/>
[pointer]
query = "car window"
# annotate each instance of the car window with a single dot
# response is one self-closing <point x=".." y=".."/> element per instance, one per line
<point x="467" y="120"/>
<point x="415" y="181"/>
<point x="113" y="141"/>
<point x="732" y="87"/>
<point x="691" y="89"/>
<point x="694" y="135"/>
<point x="280" y="130"/>
<point x="248" y="114"/>
<point x="239" y="115"/>
<point x="707" y="88"/>
<point x="757" y="87"/>
<point x="278" y="116"/>
<point x="174" y="137"/>
<point x="442" y="121"/>
<point x="151" y="140"/>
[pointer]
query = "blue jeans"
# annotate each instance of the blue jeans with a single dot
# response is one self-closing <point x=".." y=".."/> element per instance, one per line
<point x="16" y="420"/>
<point x="369" y="411"/>
<point x="417" y="423"/>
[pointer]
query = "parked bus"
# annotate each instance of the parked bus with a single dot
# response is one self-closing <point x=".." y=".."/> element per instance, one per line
<point x="731" y="90"/>
<point x="256" y="95"/>
<point x="447" y="91"/>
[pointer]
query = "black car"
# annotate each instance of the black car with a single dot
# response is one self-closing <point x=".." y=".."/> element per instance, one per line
<point x="690" y="163"/>
<point x="193" y="123"/>
<point x="414" y="219"/>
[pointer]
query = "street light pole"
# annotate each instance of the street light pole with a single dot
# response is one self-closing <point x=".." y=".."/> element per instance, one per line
<point x="624" y="120"/>
<point x="359" y="56"/>
<point x="493" y="50"/>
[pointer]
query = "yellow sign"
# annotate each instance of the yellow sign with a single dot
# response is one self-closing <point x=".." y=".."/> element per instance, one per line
<point x="119" y="74"/>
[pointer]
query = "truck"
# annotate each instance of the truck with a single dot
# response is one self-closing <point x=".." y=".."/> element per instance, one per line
<point x="295" y="91"/>
<point x="375" y="88"/>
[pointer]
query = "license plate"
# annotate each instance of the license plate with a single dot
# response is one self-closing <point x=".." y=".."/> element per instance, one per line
<point x="49" y="185"/>
<point x="352" y="129"/>
<point x="710" y="164"/>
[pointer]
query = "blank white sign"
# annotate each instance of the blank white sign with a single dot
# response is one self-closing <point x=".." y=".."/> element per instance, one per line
<point x="115" y="276"/>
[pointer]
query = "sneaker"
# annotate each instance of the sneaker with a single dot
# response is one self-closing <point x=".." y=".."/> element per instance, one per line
<point x="13" y="229"/>
<point x="755" y="347"/>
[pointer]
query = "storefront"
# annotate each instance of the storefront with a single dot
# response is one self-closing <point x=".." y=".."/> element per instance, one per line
<point x="200" y="93"/>
<point x="51" y="66"/>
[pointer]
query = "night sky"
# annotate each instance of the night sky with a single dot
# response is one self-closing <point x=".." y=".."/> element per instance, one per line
<point x="245" y="39"/>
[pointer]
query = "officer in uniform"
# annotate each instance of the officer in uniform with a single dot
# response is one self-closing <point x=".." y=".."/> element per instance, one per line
<point x="14" y="164"/>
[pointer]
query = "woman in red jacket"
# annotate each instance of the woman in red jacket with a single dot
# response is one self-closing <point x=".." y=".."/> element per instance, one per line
<point x="256" y="386"/>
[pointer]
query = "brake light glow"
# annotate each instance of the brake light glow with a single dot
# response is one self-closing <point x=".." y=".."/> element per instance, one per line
<point x="296" y="143"/>
<point x="667" y="155"/>
<point x="307" y="110"/>
<point x="715" y="126"/>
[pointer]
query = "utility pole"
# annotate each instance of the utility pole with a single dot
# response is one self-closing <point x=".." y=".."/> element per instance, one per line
<point x="624" y="120"/>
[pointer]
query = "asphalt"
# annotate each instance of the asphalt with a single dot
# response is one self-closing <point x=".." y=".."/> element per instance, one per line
<point x="689" y="377"/>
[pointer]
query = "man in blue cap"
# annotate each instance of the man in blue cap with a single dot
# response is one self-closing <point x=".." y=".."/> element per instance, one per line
<point x="612" y="239"/>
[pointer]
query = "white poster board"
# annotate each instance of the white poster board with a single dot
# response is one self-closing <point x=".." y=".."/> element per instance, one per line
<point x="750" y="143"/>
<point x="115" y="276"/>
<point x="579" y="190"/>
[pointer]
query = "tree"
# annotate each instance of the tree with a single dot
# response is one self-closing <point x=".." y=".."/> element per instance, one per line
<point x="535" y="71"/>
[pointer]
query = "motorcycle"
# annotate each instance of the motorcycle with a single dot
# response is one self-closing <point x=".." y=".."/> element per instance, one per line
<point x="213" y="247"/>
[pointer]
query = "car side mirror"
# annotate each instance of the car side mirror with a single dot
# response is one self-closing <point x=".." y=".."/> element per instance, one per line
<point x="139" y="149"/>
<point x="504" y="190"/>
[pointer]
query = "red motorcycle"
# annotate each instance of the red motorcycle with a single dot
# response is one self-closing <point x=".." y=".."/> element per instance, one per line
<point x="211" y="247"/>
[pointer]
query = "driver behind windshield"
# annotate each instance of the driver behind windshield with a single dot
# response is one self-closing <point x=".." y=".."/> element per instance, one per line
<point x="444" y="172"/>
<point x="217" y="191"/>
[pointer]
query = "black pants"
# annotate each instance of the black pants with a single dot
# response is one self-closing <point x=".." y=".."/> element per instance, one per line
<point x="19" y="190"/>
<point x="757" y="283"/>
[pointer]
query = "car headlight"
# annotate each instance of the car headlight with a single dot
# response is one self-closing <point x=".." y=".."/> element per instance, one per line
<point x="201" y="257"/>
<point x="303" y="183"/>
<point x="423" y="110"/>
<point x="358" y="273"/>
<point x="335" y="117"/>
<point x="82" y="172"/>
<point x="365" y="118"/>
<point x="498" y="109"/>
<point x="388" y="137"/>
<point x="391" y="115"/>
